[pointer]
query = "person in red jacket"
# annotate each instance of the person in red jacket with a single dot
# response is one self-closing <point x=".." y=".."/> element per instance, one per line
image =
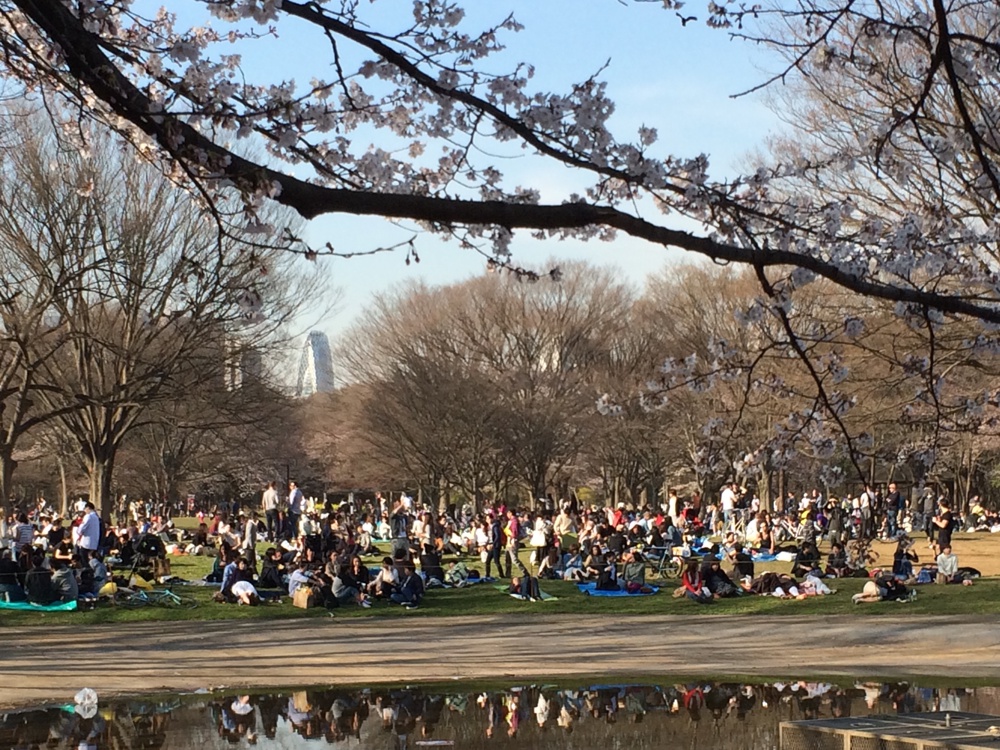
<point x="694" y="586"/>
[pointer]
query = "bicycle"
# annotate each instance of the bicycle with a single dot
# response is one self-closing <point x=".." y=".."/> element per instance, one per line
<point x="135" y="598"/>
<point x="663" y="563"/>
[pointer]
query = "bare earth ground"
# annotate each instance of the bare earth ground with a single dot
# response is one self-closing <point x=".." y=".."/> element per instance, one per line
<point x="51" y="664"/>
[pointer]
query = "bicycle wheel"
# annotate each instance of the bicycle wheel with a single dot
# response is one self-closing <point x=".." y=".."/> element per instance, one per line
<point x="171" y="600"/>
<point x="131" y="601"/>
<point x="673" y="568"/>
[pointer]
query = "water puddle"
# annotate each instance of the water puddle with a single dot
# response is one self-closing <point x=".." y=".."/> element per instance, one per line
<point x="696" y="715"/>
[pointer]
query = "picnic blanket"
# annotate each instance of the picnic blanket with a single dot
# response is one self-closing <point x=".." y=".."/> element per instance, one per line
<point x="590" y="589"/>
<point x="763" y="557"/>
<point x="29" y="607"/>
<point x="504" y="588"/>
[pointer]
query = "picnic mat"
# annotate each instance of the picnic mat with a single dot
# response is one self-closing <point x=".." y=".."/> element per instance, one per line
<point x="504" y="588"/>
<point x="590" y="589"/>
<point x="29" y="607"/>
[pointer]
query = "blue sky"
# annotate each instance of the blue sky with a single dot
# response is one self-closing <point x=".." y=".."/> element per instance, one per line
<point x="679" y="80"/>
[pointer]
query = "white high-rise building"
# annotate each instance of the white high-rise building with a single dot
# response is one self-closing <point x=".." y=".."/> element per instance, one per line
<point x="315" y="366"/>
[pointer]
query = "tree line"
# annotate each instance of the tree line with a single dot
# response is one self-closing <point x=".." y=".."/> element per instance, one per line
<point x="133" y="334"/>
<point x="498" y="387"/>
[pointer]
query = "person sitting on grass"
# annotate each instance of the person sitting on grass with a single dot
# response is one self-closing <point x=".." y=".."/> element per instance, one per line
<point x="693" y="585"/>
<point x="38" y="582"/>
<point x="836" y="561"/>
<point x="301" y="576"/>
<point x="594" y="563"/>
<point x="430" y="565"/>
<point x="99" y="569"/>
<point x="384" y="584"/>
<point x="715" y="580"/>
<point x="806" y="559"/>
<point x="743" y="567"/>
<point x="573" y="564"/>
<point x="411" y="588"/>
<point x="634" y="573"/>
<point x="607" y="578"/>
<point x="10" y="587"/>
<point x="525" y="586"/>
<point x="271" y="570"/>
<point x="457" y="575"/>
<point x="551" y="566"/>
<point x="343" y="592"/>
<point x="229" y="574"/>
<point x="64" y="583"/>
<point x="903" y="558"/>
<point x="359" y="574"/>
<point x="947" y="568"/>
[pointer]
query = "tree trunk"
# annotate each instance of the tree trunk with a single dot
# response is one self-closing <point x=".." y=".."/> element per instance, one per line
<point x="764" y="491"/>
<point x="63" y="489"/>
<point x="100" y="472"/>
<point x="7" y="467"/>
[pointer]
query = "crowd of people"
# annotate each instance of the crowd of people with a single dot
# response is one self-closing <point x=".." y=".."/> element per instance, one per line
<point x="315" y="550"/>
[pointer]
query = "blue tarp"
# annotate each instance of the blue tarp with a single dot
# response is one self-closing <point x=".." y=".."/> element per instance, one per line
<point x="28" y="607"/>
<point x="590" y="589"/>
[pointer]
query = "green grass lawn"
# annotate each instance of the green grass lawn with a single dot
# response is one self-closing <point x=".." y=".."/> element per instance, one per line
<point x="483" y="599"/>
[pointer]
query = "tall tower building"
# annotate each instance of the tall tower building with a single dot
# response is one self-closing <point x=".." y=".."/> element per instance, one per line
<point x="315" y="366"/>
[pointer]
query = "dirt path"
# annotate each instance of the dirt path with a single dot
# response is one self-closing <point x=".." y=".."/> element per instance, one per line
<point x="52" y="664"/>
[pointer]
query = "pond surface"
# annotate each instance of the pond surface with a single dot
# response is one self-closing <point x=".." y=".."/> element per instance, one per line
<point x="695" y="715"/>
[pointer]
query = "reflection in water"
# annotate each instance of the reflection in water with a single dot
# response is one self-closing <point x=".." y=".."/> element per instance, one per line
<point x="692" y="715"/>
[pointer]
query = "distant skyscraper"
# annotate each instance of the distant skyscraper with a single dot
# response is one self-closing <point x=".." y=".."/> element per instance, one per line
<point x="315" y="366"/>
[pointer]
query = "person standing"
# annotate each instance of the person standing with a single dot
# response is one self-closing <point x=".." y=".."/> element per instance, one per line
<point x="495" y="547"/>
<point x="295" y="502"/>
<point x="928" y="506"/>
<point x="727" y="501"/>
<point x="867" y="501"/>
<point x="248" y="544"/>
<point x="88" y="536"/>
<point x="269" y="502"/>
<point x="945" y="523"/>
<point x="399" y="524"/>
<point x="893" y="504"/>
<point x="513" y="541"/>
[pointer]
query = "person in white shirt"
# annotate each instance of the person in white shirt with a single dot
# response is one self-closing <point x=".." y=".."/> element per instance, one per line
<point x="728" y="503"/>
<point x="385" y="581"/>
<point x="245" y="593"/>
<point x="865" y="502"/>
